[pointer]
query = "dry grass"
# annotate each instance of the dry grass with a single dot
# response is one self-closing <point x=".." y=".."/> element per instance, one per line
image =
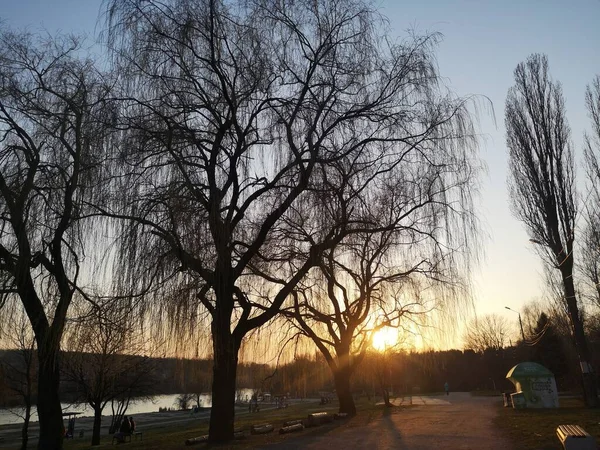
<point x="535" y="429"/>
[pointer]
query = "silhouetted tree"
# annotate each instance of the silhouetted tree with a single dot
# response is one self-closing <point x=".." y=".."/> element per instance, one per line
<point x="372" y="275"/>
<point x="234" y="113"/>
<point x="108" y="359"/>
<point x="184" y="401"/>
<point x="488" y="332"/>
<point x="52" y="136"/>
<point x="591" y="213"/>
<point x="542" y="184"/>
<point x="19" y="372"/>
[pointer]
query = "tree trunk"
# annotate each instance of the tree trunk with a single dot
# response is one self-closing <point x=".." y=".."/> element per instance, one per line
<point x="25" y="428"/>
<point x="48" y="405"/>
<point x="386" y="397"/>
<point x="97" y="425"/>
<point x="342" y="388"/>
<point x="225" y="360"/>
<point x="588" y="377"/>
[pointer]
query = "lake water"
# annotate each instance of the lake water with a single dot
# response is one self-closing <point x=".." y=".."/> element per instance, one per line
<point x="142" y="406"/>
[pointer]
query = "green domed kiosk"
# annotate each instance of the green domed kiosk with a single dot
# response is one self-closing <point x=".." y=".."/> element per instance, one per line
<point x="535" y="386"/>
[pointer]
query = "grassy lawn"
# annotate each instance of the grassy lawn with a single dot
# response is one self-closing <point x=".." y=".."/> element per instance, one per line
<point x="174" y="437"/>
<point x="535" y="429"/>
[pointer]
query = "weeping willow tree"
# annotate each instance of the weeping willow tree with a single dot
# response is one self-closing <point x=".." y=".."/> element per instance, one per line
<point x="234" y="115"/>
<point x="53" y="126"/>
<point x="412" y="245"/>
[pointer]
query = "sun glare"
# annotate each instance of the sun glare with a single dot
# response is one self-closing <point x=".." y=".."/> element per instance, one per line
<point x="385" y="338"/>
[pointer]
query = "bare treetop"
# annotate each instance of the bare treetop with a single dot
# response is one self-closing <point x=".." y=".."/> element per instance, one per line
<point x="591" y="212"/>
<point x="541" y="157"/>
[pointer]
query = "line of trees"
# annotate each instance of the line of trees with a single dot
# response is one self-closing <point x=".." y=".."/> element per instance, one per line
<point x="233" y="150"/>
<point x="237" y="153"/>
<point x="547" y="341"/>
<point x="260" y="143"/>
<point x="255" y="162"/>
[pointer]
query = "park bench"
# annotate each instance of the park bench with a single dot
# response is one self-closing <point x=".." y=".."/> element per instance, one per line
<point x="127" y="437"/>
<point x="237" y="434"/>
<point x="573" y="437"/>
<point x="319" y="418"/>
<point x="291" y="428"/>
<point x="263" y="428"/>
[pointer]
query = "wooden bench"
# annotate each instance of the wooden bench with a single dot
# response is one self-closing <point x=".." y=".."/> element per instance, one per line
<point x="263" y="428"/>
<point x="573" y="437"/>
<point x="319" y="418"/>
<point x="127" y="437"/>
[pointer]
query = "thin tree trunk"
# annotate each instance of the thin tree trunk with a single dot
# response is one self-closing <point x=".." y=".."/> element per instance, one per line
<point x="118" y="414"/>
<point x="27" y="418"/>
<point x="386" y="397"/>
<point x="97" y="425"/>
<point x="588" y="377"/>
<point x="342" y="389"/>
<point x="48" y="405"/>
<point x="222" y="414"/>
<point x="25" y="428"/>
<point x="113" y="419"/>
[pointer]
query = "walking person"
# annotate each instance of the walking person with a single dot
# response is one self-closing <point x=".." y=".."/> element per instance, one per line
<point x="447" y="388"/>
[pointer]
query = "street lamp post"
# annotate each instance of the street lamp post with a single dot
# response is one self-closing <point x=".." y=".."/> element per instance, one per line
<point x="520" y="322"/>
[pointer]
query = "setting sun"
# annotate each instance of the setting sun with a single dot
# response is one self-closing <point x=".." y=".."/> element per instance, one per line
<point x="385" y="338"/>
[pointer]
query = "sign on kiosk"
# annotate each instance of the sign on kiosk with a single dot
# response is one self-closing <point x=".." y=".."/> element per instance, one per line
<point x="536" y="384"/>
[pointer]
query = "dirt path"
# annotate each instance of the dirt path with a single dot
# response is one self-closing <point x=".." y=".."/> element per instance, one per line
<point x="456" y="422"/>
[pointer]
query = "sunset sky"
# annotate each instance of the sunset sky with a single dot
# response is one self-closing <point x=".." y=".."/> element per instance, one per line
<point x="483" y="42"/>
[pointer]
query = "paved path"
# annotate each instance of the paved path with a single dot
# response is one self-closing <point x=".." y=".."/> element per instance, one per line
<point x="455" y="422"/>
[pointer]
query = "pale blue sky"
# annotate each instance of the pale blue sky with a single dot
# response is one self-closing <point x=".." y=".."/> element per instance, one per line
<point x="483" y="42"/>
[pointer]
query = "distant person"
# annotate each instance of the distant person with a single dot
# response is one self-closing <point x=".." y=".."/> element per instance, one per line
<point x="125" y="426"/>
<point x="71" y="428"/>
<point x="124" y="430"/>
<point x="131" y="425"/>
<point x="447" y="388"/>
<point x="254" y="403"/>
